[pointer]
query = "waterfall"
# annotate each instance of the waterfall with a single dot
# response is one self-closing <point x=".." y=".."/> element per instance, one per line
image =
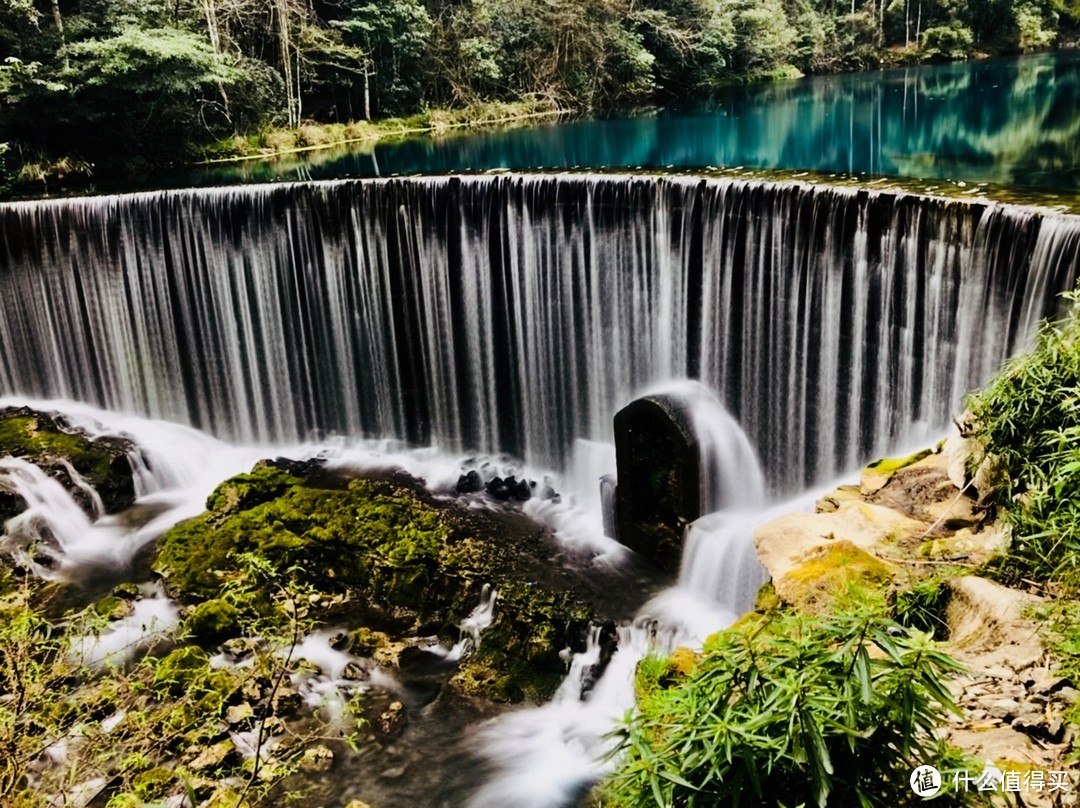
<point x="175" y="469"/>
<point x="550" y="756"/>
<point x="518" y="313"/>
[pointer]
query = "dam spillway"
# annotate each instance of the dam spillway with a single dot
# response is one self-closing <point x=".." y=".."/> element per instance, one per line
<point x="515" y="313"/>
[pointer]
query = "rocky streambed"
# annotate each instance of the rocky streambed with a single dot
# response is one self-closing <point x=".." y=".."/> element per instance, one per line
<point x="922" y="534"/>
<point x="317" y="634"/>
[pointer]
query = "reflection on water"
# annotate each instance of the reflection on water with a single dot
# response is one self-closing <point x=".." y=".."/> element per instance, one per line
<point x="1012" y="121"/>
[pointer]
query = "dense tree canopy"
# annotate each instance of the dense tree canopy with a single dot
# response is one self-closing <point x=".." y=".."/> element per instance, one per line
<point x="104" y="81"/>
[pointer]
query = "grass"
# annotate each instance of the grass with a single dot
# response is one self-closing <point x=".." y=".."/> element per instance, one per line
<point x="310" y="136"/>
<point x="1028" y="421"/>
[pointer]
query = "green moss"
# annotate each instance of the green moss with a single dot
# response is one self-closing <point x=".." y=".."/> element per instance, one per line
<point x="178" y="672"/>
<point x="113" y="607"/>
<point x="30" y="437"/>
<point x="766" y="599"/>
<point x="384" y="543"/>
<point x="213" y="621"/>
<point x="40" y="439"/>
<point x="153" y="784"/>
<point x="888" y="466"/>
<point x="245" y="491"/>
<point x="840" y="572"/>
<point x="124" y="800"/>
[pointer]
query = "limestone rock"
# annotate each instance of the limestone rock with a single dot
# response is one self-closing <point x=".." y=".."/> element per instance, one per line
<point x="317" y="759"/>
<point x="808" y="554"/>
<point x="987" y="618"/>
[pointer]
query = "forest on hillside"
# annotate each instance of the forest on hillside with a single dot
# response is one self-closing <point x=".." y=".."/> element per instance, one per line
<point x="126" y="84"/>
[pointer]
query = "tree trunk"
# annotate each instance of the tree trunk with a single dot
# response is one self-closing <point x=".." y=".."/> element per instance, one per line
<point x="286" y="49"/>
<point x="59" y="20"/>
<point x="213" y="29"/>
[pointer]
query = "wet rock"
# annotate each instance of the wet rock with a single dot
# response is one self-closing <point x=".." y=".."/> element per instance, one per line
<point x="317" y="759"/>
<point x="354" y="672"/>
<point x="285" y="701"/>
<point x="240" y="715"/>
<point x="509" y="488"/>
<point x="240" y="647"/>
<point x="470" y="483"/>
<point x="220" y="754"/>
<point x="55" y="446"/>
<point x="297" y="468"/>
<point x="391" y="721"/>
<point x="608" y="641"/>
<point x="114" y="608"/>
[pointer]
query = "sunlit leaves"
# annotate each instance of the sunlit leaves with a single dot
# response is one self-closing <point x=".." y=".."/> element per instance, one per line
<point x="793" y="710"/>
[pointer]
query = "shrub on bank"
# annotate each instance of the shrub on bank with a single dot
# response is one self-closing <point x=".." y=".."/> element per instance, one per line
<point x="787" y="710"/>
<point x="1028" y="422"/>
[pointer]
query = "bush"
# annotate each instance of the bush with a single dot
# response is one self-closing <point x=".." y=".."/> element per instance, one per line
<point x="1028" y="420"/>
<point x="952" y="41"/>
<point x="788" y="710"/>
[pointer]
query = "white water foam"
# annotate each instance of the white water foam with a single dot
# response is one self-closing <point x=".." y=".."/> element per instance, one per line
<point x="153" y="618"/>
<point x="550" y="756"/>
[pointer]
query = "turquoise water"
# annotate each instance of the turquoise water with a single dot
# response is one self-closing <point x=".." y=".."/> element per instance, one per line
<point x="1011" y="121"/>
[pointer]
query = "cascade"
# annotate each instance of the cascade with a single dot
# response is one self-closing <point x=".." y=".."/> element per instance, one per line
<point x="518" y="313"/>
<point x="549" y="756"/>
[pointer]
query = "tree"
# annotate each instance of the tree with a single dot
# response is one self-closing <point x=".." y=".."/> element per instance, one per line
<point x="393" y="38"/>
<point x="148" y="91"/>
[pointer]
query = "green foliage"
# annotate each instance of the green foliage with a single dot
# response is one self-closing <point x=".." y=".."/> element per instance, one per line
<point x="788" y="710"/>
<point x="1036" y="26"/>
<point x="394" y="40"/>
<point x="125" y="85"/>
<point x="952" y="41"/>
<point x="1059" y="623"/>
<point x="1029" y="422"/>
<point x="922" y="606"/>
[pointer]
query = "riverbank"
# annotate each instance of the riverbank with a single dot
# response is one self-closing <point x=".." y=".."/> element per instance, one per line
<point x="70" y="176"/>
<point x="365" y="135"/>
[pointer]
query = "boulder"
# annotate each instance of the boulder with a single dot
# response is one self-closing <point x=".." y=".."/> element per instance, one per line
<point x="57" y="447"/>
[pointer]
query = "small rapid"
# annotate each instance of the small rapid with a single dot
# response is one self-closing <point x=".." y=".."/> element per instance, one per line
<point x="550" y="756"/>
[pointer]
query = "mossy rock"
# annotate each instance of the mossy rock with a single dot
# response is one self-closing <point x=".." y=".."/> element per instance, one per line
<point x="114" y="608"/>
<point x="834" y="572"/>
<point x="383" y="542"/>
<point x="153" y="784"/>
<point x="48" y="442"/>
<point x="177" y="672"/>
<point x="213" y="621"/>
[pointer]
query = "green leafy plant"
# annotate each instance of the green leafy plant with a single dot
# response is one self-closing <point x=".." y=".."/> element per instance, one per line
<point x="789" y="710"/>
<point x="1029" y="425"/>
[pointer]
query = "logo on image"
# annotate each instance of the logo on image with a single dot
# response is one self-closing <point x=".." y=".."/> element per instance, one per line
<point x="926" y="781"/>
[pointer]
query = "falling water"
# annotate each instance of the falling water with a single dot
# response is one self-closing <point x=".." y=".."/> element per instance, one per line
<point x="517" y="313"/>
<point x="550" y="756"/>
<point x="176" y="467"/>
